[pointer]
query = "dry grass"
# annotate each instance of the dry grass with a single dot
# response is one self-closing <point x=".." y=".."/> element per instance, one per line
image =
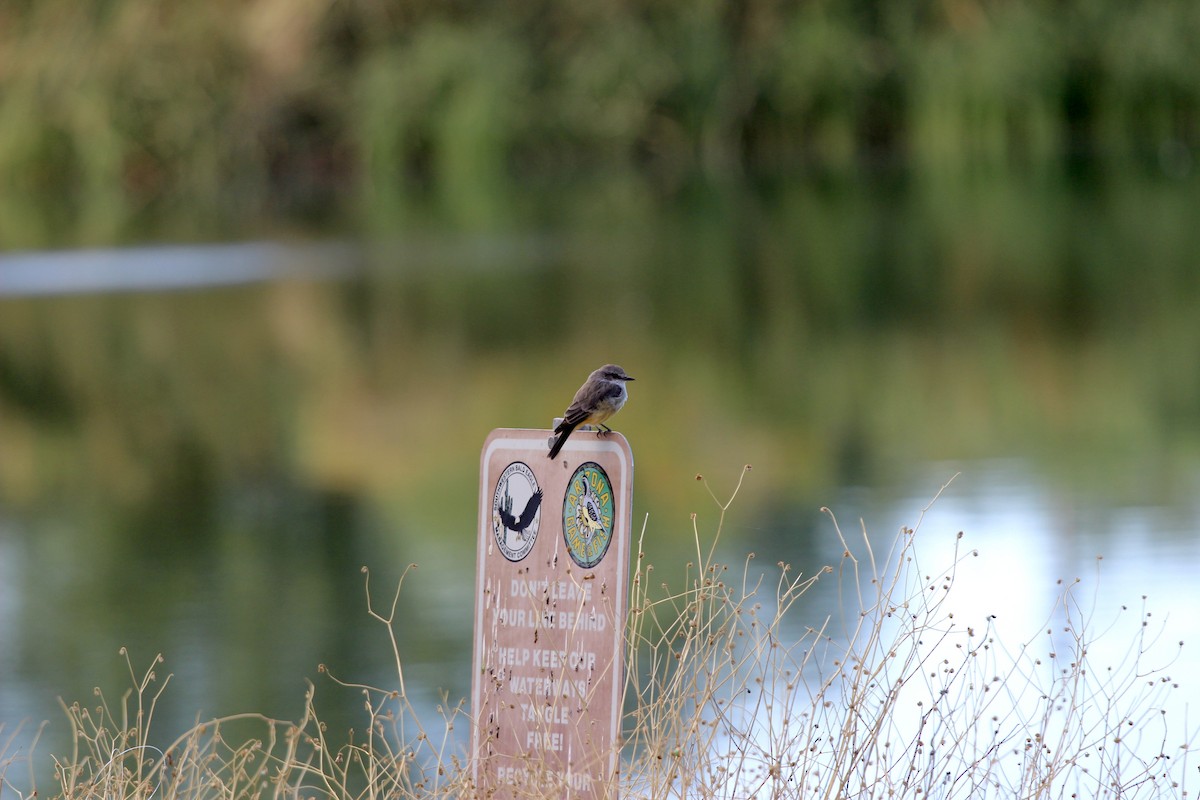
<point x="893" y="698"/>
<point x="729" y="695"/>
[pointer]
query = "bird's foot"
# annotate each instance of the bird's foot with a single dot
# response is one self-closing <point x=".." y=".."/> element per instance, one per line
<point x="604" y="430"/>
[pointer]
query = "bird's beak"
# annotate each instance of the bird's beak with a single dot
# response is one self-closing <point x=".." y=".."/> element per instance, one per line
<point x="629" y="378"/>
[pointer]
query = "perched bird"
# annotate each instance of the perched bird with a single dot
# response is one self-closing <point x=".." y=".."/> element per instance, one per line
<point x="601" y="396"/>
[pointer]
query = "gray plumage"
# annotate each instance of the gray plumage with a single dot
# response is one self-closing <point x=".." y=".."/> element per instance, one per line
<point x="602" y="395"/>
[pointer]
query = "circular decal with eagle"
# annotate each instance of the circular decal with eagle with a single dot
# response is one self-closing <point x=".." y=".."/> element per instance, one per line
<point x="588" y="515"/>
<point x="516" y="511"/>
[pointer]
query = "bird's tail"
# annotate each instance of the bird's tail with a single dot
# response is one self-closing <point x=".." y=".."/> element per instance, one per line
<point x="563" y="432"/>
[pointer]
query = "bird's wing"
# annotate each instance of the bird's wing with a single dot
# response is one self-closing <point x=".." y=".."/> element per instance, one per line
<point x="578" y="412"/>
<point x="582" y="406"/>
<point x="530" y="510"/>
<point x="576" y="415"/>
<point x="567" y="424"/>
<point x="508" y="519"/>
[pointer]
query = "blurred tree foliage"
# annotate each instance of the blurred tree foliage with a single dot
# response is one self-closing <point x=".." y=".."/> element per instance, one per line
<point x="128" y="101"/>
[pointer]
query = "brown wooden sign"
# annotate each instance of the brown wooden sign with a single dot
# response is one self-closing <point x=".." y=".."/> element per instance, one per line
<point x="551" y="581"/>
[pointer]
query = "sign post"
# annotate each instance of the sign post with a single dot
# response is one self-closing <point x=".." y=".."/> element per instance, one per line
<point x="551" y="592"/>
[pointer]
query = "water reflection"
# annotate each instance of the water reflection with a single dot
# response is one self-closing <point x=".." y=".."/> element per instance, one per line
<point x="1003" y="631"/>
<point x="203" y="473"/>
<point x="164" y="268"/>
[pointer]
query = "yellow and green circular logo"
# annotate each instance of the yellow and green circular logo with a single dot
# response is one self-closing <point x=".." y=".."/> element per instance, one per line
<point x="588" y="515"/>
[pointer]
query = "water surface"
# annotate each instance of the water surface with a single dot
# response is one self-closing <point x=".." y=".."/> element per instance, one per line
<point x="201" y="446"/>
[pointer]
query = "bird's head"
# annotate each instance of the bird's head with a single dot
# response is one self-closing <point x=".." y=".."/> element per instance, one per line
<point x="612" y="372"/>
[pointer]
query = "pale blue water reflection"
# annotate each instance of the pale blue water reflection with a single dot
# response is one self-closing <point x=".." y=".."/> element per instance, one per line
<point x="1003" y="635"/>
<point x="170" y="267"/>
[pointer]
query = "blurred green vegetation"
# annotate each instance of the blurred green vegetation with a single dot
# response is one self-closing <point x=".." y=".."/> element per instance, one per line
<point x="108" y="107"/>
<point x="826" y="330"/>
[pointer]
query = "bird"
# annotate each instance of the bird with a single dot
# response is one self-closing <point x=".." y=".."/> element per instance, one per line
<point x="514" y="524"/>
<point x="587" y="513"/>
<point x="602" y="395"/>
